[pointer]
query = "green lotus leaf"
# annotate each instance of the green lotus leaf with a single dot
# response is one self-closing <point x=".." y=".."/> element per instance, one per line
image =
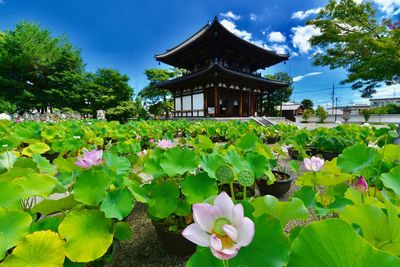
<point x="391" y="152"/>
<point x="65" y="165"/>
<point x="7" y="160"/>
<point x="392" y="180"/>
<point x="238" y="162"/>
<point x="37" y="148"/>
<point x="225" y="174"/>
<point x="117" y="204"/>
<point x="122" y="231"/>
<point x="203" y="142"/>
<point x="258" y="164"/>
<point x="87" y="233"/>
<point x="177" y="161"/>
<point x="203" y="257"/>
<point x="247" y="142"/>
<point x="358" y="198"/>
<point x="307" y="195"/>
<point x="245" y="178"/>
<point x="90" y="186"/>
<point x="49" y="206"/>
<point x="25" y="163"/>
<point x="44" y="164"/>
<point x="270" y="246"/>
<point x="120" y="167"/>
<point x="36" y="184"/>
<point x="283" y="211"/>
<point x="183" y="208"/>
<point x="15" y="172"/>
<point x="165" y="200"/>
<point x="48" y="223"/>
<point x="210" y="163"/>
<point x="199" y="187"/>
<point x="333" y="242"/>
<point x="40" y="249"/>
<point x="14" y="225"/>
<point x="381" y="230"/>
<point x="330" y="175"/>
<point x="10" y="196"/>
<point x="357" y="157"/>
<point x="137" y="191"/>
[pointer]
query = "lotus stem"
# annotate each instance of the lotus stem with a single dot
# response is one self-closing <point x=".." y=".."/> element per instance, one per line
<point x="244" y="192"/>
<point x="226" y="263"/>
<point x="232" y="191"/>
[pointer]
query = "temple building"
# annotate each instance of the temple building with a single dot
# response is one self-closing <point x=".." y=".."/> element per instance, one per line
<point x="221" y="78"/>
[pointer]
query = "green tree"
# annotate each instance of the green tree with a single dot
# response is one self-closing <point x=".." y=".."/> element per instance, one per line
<point x="393" y="108"/>
<point x="280" y="95"/>
<point x="38" y="71"/>
<point x="156" y="98"/>
<point x="366" y="113"/>
<point x="105" y="89"/>
<point x="321" y="113"/>
<point x="307" y="104"/>
<point x="307" y="114"/>
<point x="352" y="38"/>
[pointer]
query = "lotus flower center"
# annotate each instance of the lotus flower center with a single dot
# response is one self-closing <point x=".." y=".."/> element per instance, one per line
<point x="218" y="226"/>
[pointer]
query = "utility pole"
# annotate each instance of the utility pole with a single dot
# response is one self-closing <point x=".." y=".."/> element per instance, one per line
<point x="333" y="97"/>
<point x="336" y="109"/>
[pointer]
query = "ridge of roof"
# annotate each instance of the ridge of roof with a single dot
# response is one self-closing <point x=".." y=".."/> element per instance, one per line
<point x="200" y="32"/>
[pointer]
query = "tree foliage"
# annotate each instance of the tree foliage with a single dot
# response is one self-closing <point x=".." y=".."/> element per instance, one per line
<point x="352" y="38"/>
<point x="321" y="113"/>
<point x="37" y="70"/>
<point x="158" y="99"/>
<point x="307" y="103"/>
<point x="280" y="95"/>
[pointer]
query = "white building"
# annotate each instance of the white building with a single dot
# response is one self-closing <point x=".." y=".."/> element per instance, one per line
<point x="378" y="102"/>
<point x="354" y="109"/>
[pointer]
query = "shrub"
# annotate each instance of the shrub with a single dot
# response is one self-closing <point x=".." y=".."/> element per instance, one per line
<point x="321" y="113"/>
<point x="307" y="114"/>
<point x="366" y="113"/>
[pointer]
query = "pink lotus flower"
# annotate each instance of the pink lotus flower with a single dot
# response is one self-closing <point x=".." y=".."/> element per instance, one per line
<point x="165" y="144"/>
<point x="361" y="185"/>
<point x="151" y="141"/>
<point x="90" y="158"/>
<point x="314" y="164"/>
<point x="142" y="153"/>
<point x="221" y="227"/>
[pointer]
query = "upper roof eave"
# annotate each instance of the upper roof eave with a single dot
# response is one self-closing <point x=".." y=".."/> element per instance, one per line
<point x="203" y="30"/>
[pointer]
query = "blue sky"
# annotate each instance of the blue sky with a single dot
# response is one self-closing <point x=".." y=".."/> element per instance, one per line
<point x="125" y="35"/>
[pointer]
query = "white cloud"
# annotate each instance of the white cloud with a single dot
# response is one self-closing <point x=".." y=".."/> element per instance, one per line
<point x="231" y="26"/>
<point x="301" y="77"/>
<point x="305" y="14"/>
<point x="276" y="37"/>
<point x="301" y="37"/>
<point x="280" y="48"/>
<point x="253" y="17"/>
<point x="230" y="15"/>
<point x="390" y="7"/>
<point x="387" y="91"/>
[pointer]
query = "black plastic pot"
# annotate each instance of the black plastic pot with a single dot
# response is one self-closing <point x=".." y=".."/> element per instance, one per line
<point x="329" y="155"/>
<point x="278" y="188"/>
<point x="294" y="154"/>
<point x="173" y="243"/>
<point x="273" y="139"/>
<point x="312" y="151"/>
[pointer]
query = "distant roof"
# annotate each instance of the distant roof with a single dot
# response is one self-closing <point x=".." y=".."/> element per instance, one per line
<point x="217" y="70"/>
<point x="290" y="106"/>
<point x="388" y="98"/>
<point x="215" y="35"/>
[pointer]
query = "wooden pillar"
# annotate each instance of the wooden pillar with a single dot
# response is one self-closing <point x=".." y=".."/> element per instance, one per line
<point x="173" y="94"/>
<point x="216" y="103"/>
<point x="240" y="103"/>
<point x="269" y="108"/>
<point x="205" y="102"/>
<point x="181" y="103"/>
<point x="251" y="103"/>
<point x="191" y="101"/>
